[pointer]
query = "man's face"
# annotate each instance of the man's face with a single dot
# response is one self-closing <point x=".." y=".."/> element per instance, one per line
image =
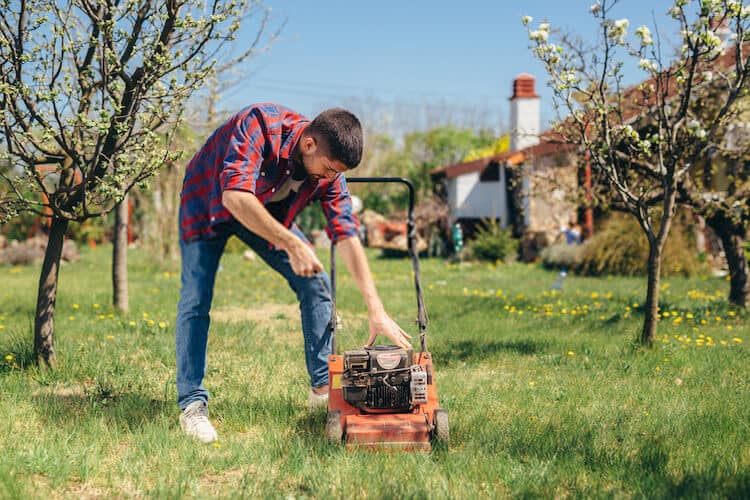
<point x="316" y="161"/>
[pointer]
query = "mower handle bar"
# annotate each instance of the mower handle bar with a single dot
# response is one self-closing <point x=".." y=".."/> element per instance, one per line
<point x="411" y="237"/>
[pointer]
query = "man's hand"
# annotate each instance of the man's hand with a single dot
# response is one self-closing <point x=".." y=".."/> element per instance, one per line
<point x="302" y="258"/>
<point x="381" y="323"/>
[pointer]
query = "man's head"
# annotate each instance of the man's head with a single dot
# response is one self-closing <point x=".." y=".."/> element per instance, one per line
<point x="331" y="144"/>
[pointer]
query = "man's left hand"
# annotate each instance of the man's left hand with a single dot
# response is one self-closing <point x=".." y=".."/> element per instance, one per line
<point x="381" y="323"/>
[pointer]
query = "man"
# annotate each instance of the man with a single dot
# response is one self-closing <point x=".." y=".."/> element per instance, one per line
<point x="252" y="177"/>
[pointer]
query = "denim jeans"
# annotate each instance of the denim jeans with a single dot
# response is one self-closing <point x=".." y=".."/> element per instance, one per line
<point x="200" y="260"/>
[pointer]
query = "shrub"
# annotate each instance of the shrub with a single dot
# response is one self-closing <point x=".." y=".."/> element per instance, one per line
<point x="620" y="247"/>
<point x="562" y="256"/>
<point x="491" y="242"/>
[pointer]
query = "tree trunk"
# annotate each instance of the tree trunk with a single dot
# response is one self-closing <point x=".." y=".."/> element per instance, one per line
<point x="652" y="294"/>
<point x="44" y="323"/>
<point x="120" y="257"/>
<point x="732" y="240"/>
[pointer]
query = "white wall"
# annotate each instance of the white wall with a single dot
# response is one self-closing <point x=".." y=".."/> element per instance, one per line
<point x="470" y="199"/>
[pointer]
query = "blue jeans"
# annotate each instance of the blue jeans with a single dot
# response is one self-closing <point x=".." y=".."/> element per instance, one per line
<point x="200" y="260"/>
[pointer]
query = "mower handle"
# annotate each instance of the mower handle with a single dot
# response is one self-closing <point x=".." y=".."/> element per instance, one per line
<point x="411" y="236"/>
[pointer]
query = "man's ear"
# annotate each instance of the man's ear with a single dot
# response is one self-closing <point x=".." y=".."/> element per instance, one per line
<point x="309" y="144"/>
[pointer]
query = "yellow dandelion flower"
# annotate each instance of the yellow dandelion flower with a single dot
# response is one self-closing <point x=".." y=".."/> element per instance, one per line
<point x="520" y="313"/>
<point x="96" y="306"/>
<point x="110" y="315"/>
<point x="532" y="383"/>
<point x="162" y="324"/>
<point x="75" y="306"/>
<point x="532" y="418"/>
<point x="466" y="291"/>
<point x="718" y="318"/>
<point x="151" y="322"/>
<point x="730" y="327"/>
<point x="71" y="318"/>
<point x="9" y="357"/>
<point x="571" y="353"/>
<point x="594" y="295"/>
<point x="677" y="321"/>
<point x="703" y="322"/>
<point x="101" y="316"/>
<point x="674" y="313"/>
<point x="723" y="342"/>
<point x="217" y="445"/>
<point x="731" y="313"/>
<point x="145" y="315"/>
<point x="602" y="317"/>
<point x="666" y="360"/>
<point x="109" y="337"/>
<point x="737" y="340"/>
<point x="132" y="323"/>
<point x="658" y="369"/>
<point x="2" y="327"/>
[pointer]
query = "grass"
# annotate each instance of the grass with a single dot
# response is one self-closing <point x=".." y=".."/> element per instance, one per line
<point x="547" y="392"/>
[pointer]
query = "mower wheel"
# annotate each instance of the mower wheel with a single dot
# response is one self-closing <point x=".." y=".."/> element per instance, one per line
<point x="440" y="419"/>
<point x="334" y="432"/>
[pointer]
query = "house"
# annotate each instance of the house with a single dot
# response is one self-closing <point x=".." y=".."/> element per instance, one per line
<point x="537" y="203"/>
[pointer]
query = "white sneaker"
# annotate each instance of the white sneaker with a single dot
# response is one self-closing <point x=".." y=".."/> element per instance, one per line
<point x="315" y="401"/>
<point x="194" y="421"/>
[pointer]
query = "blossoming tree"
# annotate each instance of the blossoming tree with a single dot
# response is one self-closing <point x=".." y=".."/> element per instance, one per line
<point x="643" y="141"/>
<point x="93" y="89"/>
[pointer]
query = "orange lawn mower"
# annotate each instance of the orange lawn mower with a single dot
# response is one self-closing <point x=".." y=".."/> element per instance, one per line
<point x="384" y="396"/>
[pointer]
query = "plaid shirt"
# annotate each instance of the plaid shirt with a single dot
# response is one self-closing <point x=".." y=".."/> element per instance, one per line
<point x="252" y="152"/>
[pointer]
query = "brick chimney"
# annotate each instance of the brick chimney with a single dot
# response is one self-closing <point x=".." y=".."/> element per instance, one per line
<point x="525" y="119"/>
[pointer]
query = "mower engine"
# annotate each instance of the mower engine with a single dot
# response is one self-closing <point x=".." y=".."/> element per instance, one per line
<point x="383" y="377"/>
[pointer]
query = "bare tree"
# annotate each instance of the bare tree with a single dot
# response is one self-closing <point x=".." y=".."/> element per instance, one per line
<point x="86" y="86"/>
<point x="643" y="140"/>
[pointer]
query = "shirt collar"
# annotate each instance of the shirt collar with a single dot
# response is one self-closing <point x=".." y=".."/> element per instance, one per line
<point x="290" y="141"/>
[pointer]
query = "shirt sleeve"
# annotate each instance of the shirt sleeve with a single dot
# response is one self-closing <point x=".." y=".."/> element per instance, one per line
<point x="337" y="207"/>
<point x="244" y="155"/>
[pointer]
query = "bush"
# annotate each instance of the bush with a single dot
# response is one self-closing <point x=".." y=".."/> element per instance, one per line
<point x="620" y="247"/>
<point x="492" y="242"/>
<point x="562" y="256"/>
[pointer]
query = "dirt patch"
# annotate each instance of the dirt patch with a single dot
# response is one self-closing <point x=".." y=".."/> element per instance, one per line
<point x="266" y="314"/>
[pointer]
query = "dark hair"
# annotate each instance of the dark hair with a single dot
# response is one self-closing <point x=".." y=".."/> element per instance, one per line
<point x="341" y="133"/>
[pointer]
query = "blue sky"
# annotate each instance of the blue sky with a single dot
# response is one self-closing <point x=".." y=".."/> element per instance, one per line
<point x="402" y="64"/>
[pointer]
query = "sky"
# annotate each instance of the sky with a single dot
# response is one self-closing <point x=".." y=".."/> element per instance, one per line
<point x="404" y="65"/>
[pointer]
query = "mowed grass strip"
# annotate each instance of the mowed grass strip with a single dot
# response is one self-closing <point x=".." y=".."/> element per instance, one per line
<point x="547" y="392"/>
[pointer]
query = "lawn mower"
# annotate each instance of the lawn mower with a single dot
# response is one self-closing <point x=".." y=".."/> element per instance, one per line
<point x="384" y="396"/>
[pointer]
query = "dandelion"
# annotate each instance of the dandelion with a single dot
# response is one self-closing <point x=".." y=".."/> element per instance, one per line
<point x="75" y="306"/>
<point x="217" y="445"/>
<point x="658" y="369"/>
<point x="9" y="357"/>
<point x="110" y="337"/>
<point x="532" y="383"/>
<point x="731" y="313"/>
<point x="532" y="418"/>
<point x="71" y="318"/>
<point x="2" y="327"/>
<point x="737" y="340"/>
<point x="162" y="324"/>
<point x="723" y="342"/>
<point x="145" y="315"/>
<point x="689" y="316"/>
<point x="730" y="327"/>
<point x="132" y="323"/>
<point x="571" y="353"/>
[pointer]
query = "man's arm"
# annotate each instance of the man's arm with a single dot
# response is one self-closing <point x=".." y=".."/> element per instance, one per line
<point x="247" y="208"/>
<point x="355" y="260"/>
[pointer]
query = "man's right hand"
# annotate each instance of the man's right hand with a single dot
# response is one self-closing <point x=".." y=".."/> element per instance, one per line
<point x="302" y="258"/>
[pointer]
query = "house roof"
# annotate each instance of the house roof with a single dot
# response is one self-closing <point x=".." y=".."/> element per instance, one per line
<point x="551" y="142"/>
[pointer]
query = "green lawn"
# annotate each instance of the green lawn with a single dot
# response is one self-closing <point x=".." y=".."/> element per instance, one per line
<point x="547" y="393"/>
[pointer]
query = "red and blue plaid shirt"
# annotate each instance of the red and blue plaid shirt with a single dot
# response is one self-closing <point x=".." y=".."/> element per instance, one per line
<point x="252" y="152"/>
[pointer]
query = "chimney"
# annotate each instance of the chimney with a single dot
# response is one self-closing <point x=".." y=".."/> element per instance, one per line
<point x="525" y="120"/>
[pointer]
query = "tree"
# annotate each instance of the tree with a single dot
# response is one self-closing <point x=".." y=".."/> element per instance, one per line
<point x="719" y="185"/>
<point x="86" y="86"/>
<point x="643" y="140"/>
